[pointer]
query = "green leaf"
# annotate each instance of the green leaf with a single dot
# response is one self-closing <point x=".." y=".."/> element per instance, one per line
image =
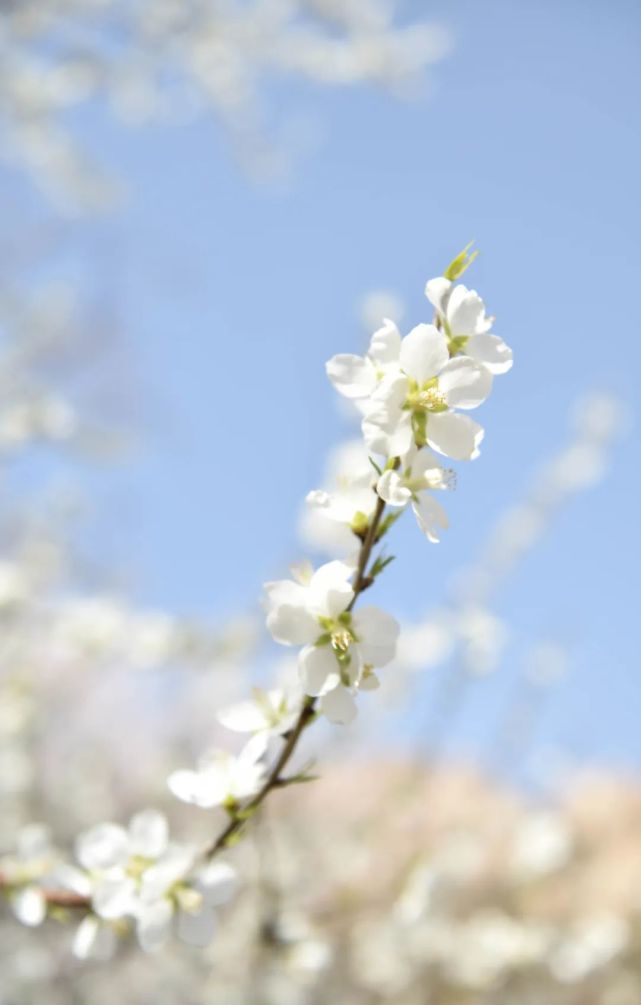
<point x="375" y="466"/>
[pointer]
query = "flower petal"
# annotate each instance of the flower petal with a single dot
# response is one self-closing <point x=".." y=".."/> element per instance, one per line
<point x="114" y="897"/>
<point x="454" y="435"/>
<point x="339" y="706"/>
<point x="291" y="625"/>
<point x="148" y="834"/>
<point x="424" y="353"/>
<point x="196" y="787"/>
<point x="377" y="632"/>
<point x="353" y="376"/>
<point x="103" y="846"/>
<point x="430" y="516"/>
<point x="466" y="312"/>
<point x="466" y="384"/>
<point x="217" y="882"/>
<point x="491" y="351"/>
<point x="390" y="488"/>
<point x="318" y="669"/>
<point x="94" y="940"/>
<point x="29" y="905"/>
<point x="153" y="924"/>
<point x="330" y="590"/>
<point x="385" y="345"/>
<point x="437" y="292"/>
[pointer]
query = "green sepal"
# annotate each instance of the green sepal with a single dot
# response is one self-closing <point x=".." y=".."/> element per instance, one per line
<point x="419" y="428"/>
<point x="381" y="563"/>
<point x="460" y="264"/>
<point x="388" y="522"/>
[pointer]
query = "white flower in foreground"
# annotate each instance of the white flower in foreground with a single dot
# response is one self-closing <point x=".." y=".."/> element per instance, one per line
<point x="357" y="376"/>
<point x="24" y="872"/>
<point x="462" y="314"/>
<point x="419" y="472"/>
<point x="414" y="404"/>
<point x="341" y="648"/>
<point x="221" y="778"/>
<point x="271" y="713"/>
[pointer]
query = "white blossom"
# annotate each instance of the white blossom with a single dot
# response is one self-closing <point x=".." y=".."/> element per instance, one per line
<point x="341" y="648"/>
<point x="461" y="312"/>
<point x="415" y="402"/>
<point x="270" y="713"/>
<point x="419" y="472"/>
<point x="221" y="778"/>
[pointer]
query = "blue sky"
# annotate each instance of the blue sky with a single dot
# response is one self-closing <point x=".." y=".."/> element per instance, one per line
<point x="232" y="296"/>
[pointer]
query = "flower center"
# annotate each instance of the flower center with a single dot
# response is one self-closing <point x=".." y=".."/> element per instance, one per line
<point x="426" y="398"/>
<point x="341" y="640"/>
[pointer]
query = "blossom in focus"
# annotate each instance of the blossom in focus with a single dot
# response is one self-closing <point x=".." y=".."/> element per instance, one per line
<point x="341" y="648"/>
<point x="419" y="472"/>
<point x="414" y="404"/>
<point x="461" y="312"/>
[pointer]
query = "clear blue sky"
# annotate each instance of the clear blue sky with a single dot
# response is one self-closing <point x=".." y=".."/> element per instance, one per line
<point x="234" y="295"/>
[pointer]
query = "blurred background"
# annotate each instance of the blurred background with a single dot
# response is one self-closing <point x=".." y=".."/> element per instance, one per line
<point x="202" y="202"/>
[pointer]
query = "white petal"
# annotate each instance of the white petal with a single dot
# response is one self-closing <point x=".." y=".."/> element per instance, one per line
<point x="437" y="292"/>
<point x="353" y="376"/>
<point x="454" y="435"/>
<point x="491" y="351"/>
<point x="245" y="717"/>
<point x="377" y="632"/>
<point x="94" y="940"/>
<point x="103" y="846"/>
<point x="424" y="353"/>
<point x="389" y="439"/>
<point x="114" y="897"/>
<point x="390" y="488"/>
<point x="318" y="669"/>
<point x="153" y="924"/>
<point x="29" y="905"/>
<point x="330" y="590"/>
<point x="339" y="706"/>
<point x="466" y="312"/>
<point x="197" y="929"/>
<point x="195" y="787"/>
<point x="430" y="516"/>
<point x="292" y="626"/>
<point x="466" y="384"/>
<point x="385" y="345"/>
<point x="217" y="882"/>
<point x="148" y="834"/>
<point x="67" y="877"/>
<point x="156" y="881"/>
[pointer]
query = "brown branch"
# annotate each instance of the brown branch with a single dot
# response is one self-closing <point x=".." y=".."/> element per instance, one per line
<point x="307" y="712"/>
